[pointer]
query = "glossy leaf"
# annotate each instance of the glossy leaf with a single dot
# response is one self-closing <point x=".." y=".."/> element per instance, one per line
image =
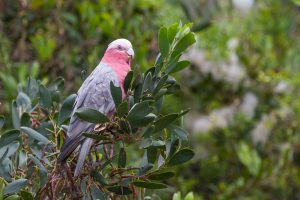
<point x="138" y="111"/>
<point x="2" y="186"/>
<point x="178" y="67"/>
<point x="184" y="43"/>
<point x="99" y="177"/>
<point x="145" y="169"/>
<point x="161" y="176"/>
<point x="178" y="131"/>
<point x="15" y="186"/>
<point x="122" y="109"/>
<point x="181" y="156"/>
<point x="151" y="154"/>
<point x="91" y="115"/>
<point x="97" y="194"/>
<point x="122" y="158"/>
<point x="116" y="94"/>
<point x="34" y="135"/>
<point x="25" y="119"/>
<point x="38" y="163"/>
<point x="2" y="121"/>
<point x="13" y="197"/>
<point x="26" y="195"/>
<point x="149" y="185"/>
<point x="66" y="109"/>
<point x="163" y="42"/>
<point x="23" y="103"/>
<point x="127" y="81"/>
<point x="15" y="115"/>
<point x="164" y="121"/>
<point x="120" y="190"/>
<point x="172" y="30"/>
<point x="9" y="137"/>
<point x="160" y="84"/>
<point x="32" y="88"/>
<point x="45" y="96"/>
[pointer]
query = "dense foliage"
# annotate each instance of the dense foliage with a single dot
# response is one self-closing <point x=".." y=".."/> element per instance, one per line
<point x="38" y="119"/>
<point x="242" y="86"/>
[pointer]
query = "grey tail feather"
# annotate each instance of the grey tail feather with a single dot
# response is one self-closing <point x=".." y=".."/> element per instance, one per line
<point x="67" y="148"/>
<point x="85" y="148"/>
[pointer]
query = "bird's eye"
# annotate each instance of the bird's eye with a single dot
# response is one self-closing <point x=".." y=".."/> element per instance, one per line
<point x="119" y="47"/>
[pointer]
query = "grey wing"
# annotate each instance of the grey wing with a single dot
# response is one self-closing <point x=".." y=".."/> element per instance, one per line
<point x="94" y="93"/>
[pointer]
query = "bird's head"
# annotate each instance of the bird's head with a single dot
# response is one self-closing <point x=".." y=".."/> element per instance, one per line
<point x="121" y="49"/>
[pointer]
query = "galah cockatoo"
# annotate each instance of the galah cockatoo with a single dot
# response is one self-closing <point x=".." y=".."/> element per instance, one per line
<point x="95" y="93"/>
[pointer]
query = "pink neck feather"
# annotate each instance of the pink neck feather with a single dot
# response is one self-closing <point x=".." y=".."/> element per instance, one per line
<point x="119" y="62"/>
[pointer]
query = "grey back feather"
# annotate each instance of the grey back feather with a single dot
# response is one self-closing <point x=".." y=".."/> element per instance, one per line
<point x="94" y="93"/>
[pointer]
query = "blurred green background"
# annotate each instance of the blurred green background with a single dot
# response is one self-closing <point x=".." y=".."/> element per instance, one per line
<point x="242" y="86"/>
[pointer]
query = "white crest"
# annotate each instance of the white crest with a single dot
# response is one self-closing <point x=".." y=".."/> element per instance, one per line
<point x="125" y="44"/>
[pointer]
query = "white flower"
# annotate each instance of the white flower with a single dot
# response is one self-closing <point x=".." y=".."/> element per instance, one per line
<point x="243" y="5"/>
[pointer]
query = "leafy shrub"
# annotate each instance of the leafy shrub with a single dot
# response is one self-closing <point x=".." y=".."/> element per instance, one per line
<point x="29" y="151"/>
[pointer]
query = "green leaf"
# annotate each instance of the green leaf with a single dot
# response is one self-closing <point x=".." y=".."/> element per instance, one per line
<point x="25" y="119"/>
<point x="172" y="30"/>
<point x="99" y="177"/>
<point x="177" y="196"/>
<point x="161" y="176"/>
<point x="13" y="197"/>
<point x="183" y="112"/>
<point x="23" y="103"/>
<point x="151" y="154"/>
<point x="163" y="42"/>
<point x="35" y="135"/>
<point x="15" y="186"/>
<point x="91" y="115"/>
<point x="160" y="84"/>
<point x="57" y="84"/>
<point x="2" y="121"/>
<point x="173" y="89"/>
<point x="66" y="109"/>
<point x="15" y="115"/>
<point x="97" y="194"/>
<point x="181" y="156"/>
<point x="142" y="121"/>
<point x="297" y="2"/>
<point x="32" y="88"/>
<point x="122" y="158"/>
<point x="149" y="185"/>
<point x="122" y="109"/>
<point x="9" y="137"/>
<point x="138" y="111"/>
<point x="145" y="169"/>
<point x="178" y="67"/>
<point x="127" y="81"/>
<point x="95" y="136"/>
<point x="148" y="131"/>
<point x="116" y="94"/>
<point x="184" y="43"/>
<point x="174" y="146"/>
<point x="164" y="121"/>
<point x="178" y="131"/>
<point x="249" y="157"/>
<point x="125" y="126"/>
<point x="26" y="195"/>
<point x="45" y="97"/>
<point x="189" y="196"/>
<point x="120" y="190"/>
<point x="147" y="84"/>
<point x="38" y="163"/>
<point x="2" y="186"/>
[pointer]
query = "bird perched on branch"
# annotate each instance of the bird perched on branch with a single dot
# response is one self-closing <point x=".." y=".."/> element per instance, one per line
<point x="95" y="93"/>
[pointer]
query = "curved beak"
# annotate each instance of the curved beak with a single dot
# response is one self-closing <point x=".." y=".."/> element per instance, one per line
<point x="130" y="52"/>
